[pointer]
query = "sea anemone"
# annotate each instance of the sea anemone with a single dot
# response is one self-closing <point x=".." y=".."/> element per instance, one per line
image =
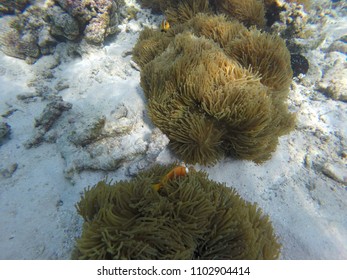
<point x="190" y="217"/>
<point x="209" y="105"/>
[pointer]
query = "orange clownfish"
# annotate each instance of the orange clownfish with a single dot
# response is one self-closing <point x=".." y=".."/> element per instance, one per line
<point x="175" y="172"/>
<point x="164" y="26"/>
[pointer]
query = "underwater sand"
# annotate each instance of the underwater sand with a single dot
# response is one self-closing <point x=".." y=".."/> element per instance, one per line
<point x="303" y="187"/>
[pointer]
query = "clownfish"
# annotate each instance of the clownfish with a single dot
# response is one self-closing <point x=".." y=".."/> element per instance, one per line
<point x="164" y="26"/>
<point x="175" y="172"/>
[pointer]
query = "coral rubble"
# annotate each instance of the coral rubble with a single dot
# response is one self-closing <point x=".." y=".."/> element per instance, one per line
<point x="5" y="130"/>
<point x="48" y="117"/>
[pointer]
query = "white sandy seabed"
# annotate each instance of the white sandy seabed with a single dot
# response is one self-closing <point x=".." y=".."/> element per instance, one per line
<point x="106" y="132"/>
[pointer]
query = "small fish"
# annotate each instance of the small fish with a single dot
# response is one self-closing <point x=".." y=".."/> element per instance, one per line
<point x="175" y="172"/>
<point x="164" y="26"/>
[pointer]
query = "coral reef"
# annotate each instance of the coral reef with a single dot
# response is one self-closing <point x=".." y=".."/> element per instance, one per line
<point x="190" y="217"/>
<point x="291" y="22"/>
<point x="63" y="24"/>
<point x="97" y="18"/>
<point x="13" y="6"/>
<point x="39" y="28"/>
<point x="306" y="3"/>
<point x="27" y="35"/>
<point x="216" y="88"/>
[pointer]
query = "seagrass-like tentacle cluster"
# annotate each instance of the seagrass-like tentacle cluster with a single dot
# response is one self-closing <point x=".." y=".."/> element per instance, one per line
<point x="249" y="12"/>
<point x="190" y="217"/>
<point x="216" y="88"/>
